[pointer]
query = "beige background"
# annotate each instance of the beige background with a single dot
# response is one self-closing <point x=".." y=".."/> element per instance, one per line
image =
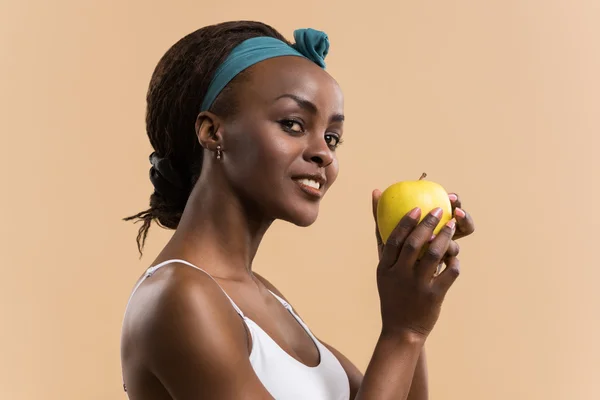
<point x="497" y="100"/>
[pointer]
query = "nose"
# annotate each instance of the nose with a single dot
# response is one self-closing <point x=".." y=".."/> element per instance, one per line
<point x="318" y="151"/>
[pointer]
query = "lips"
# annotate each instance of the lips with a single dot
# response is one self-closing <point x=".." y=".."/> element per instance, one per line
<point x="311" y="184"/>
<point x="313" y="180"/>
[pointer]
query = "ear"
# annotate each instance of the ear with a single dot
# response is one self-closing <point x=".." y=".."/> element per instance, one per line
<point x="208" y="130"/>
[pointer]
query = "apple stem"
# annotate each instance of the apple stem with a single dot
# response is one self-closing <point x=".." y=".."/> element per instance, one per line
<point x="423" y="176"/>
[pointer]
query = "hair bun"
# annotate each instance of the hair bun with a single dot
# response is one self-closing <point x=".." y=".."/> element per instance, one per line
<point x="166" y="180"/>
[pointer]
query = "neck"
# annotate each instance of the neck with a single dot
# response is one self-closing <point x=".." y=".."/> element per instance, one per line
<point x="218" y="231"/>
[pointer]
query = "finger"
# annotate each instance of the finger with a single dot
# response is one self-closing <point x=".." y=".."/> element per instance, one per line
<point x="439" y="268"/>
<point x="464" y="223"/>
<point x="435" y="252"/>
<point x="395" y="241"/>
<point x="375" y="197"/>
<point x="453" y="250"/>
<point x="454" y="200"/>
<point x="380" y="245"/>
<point x="418" y="238"/>
<point x="445" y="280"/>
<point x="375" y="200"/>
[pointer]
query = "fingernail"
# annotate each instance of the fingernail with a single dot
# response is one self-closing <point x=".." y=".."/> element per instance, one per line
<point x="451" y="224"/>
<point x="453" y="197"/>
<point x="437" y="212"/>
<point x="415" y="212"/>
<point x="459" y="213"/>
<point x="431" y="238"/>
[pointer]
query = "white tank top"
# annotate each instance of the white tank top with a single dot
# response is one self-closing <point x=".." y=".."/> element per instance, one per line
<point x="282" y="375"/>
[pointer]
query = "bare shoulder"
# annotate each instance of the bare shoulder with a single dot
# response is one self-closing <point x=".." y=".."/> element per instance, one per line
<point x="171" y="295"/>
<point x="181" y="327"/>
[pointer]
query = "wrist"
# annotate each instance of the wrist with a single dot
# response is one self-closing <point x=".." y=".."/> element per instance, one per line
<point x="403" y="337"/>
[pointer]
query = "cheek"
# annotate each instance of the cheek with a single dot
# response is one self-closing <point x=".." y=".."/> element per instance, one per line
<point x="261" y="152"/>
<point x="332" y="172"/>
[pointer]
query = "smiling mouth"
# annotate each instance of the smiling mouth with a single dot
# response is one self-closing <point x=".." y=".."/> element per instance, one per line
<point x="309" y="182"/>
<point x="310" y="187"/>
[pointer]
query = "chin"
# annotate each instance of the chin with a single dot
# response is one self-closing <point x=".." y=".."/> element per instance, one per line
<point x="303" y="217"/>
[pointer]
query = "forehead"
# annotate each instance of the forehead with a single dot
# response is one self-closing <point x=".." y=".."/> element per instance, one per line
<point x="271" y="78"/>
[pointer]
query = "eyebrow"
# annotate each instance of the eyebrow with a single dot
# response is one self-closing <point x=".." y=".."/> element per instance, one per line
<point x="311" y="107"/>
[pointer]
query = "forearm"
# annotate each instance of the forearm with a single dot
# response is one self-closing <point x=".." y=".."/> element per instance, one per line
<point x="419" y="388"/>
<point x="392" y="367"/>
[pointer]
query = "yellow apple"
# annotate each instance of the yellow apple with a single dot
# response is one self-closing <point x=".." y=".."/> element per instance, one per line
<point x="400" y="198"/>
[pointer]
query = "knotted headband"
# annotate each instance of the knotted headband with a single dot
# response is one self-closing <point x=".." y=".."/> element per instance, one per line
<point x="310" y="43"/>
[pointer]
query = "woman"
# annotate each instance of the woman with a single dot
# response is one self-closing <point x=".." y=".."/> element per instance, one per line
<point x="245" y="128"/>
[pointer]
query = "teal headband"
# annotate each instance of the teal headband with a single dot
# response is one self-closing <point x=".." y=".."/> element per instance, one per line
<point x="310" y="44"/>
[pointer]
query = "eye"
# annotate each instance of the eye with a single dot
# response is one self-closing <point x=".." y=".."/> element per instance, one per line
<point x="292" y="125"/>
<point x="333" y="141"/>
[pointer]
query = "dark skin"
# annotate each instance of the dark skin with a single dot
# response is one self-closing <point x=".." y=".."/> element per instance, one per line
<point x="181" y="337"/>
<point x="419" y="389"/>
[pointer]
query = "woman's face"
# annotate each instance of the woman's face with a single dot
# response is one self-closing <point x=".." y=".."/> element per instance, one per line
<point x="280" y="146"/>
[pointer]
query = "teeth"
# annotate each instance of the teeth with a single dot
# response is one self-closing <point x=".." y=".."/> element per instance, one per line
<point x="310" y="182"/>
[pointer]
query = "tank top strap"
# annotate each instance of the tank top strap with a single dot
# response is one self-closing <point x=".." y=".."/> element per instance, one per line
<point x="290" y="309"/>
<point x="153" y="269"/>
<point x="282" y="301"/>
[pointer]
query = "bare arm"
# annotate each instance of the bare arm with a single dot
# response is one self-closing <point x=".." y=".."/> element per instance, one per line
<point x="193" y="342"/>
<point x="419" y="388"/>
<point x="391" y="369"/>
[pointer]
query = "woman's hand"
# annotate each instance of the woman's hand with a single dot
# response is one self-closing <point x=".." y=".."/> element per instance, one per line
<point x="412" y="290"/>
<point x="464" y="224"/>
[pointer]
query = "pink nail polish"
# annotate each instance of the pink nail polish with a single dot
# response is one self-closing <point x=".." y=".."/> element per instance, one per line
<point x="453" y="197"/>
<point x="460" y="213"/>
<point x="437" y="212"/>
<point x="415" y="212"/>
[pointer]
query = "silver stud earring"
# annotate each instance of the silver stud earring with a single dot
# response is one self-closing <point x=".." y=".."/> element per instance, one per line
<point x="219" y="152"/>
